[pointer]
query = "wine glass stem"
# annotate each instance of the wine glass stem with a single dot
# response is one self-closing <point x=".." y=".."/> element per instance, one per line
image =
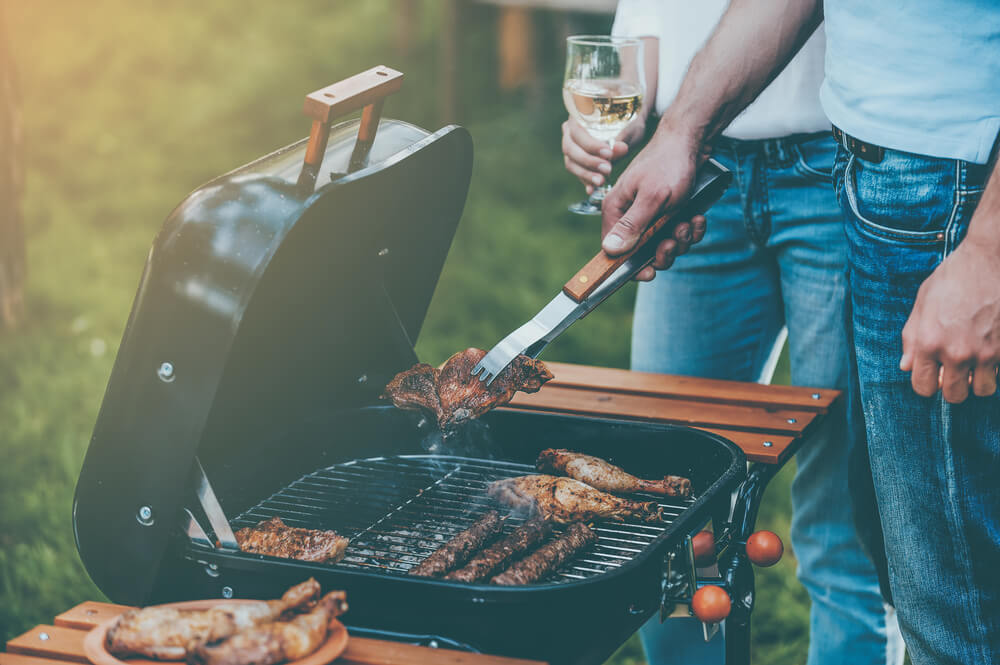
<point x="600" y="192"/>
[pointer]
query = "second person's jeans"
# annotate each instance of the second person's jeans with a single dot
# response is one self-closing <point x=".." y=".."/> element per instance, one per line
<point x="773" y="255"/>
<point x="935" y="465"/>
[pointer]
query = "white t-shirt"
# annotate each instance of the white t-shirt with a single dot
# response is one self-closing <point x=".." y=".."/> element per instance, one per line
<point x="790" y="105"/>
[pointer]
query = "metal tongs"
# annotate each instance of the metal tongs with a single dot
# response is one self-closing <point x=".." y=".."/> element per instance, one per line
<point x="601" y="277"/>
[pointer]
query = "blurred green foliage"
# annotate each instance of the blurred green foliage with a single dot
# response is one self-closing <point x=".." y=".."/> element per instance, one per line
<point x="130" y="104"/>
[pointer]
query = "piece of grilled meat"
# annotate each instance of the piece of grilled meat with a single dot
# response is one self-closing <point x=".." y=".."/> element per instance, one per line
<point x="275" y="538"/>
<point x="601" y="474"/>
<point x="566" y="500"/>
<point x="457" y="551"/>
<point x="548" y="557"/>
<point x="415" y="389"/>
<point x="496" y="555"/>
<point x="453" y="395"/>
<point x="277" y="641"/>
<point x="166" y="633"/>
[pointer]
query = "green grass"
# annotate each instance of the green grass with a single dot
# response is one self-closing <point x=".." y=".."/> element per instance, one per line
<point x="129" y="105"/>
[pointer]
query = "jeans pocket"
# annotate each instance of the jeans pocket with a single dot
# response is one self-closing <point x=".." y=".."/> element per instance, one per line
<point x="816" y="159"/>
<point x="904" y="198"/>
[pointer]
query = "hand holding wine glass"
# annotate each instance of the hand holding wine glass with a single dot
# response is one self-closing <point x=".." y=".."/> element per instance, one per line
<point x="602" y="90"/>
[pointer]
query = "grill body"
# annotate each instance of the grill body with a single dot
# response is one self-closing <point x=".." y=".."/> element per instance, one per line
<point x="383" y="478"/>
<point x="267" y="321"/>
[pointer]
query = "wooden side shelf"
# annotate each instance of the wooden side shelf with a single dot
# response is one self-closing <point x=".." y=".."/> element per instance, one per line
<point x="767" y="422"/>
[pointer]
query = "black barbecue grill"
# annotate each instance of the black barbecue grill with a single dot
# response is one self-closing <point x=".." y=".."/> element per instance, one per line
<point x="276" y="303"/>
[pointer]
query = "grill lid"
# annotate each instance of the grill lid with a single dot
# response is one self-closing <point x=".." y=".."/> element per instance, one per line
<point x="260" y="304"/>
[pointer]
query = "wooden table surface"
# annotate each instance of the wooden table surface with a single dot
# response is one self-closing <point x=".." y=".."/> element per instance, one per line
<point x="767" y="422"/>
<point x="62" y="643"/>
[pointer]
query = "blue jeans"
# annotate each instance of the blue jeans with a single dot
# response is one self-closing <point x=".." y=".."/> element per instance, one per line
<point x="936" y="466"/>
<point x="774" y="255"/>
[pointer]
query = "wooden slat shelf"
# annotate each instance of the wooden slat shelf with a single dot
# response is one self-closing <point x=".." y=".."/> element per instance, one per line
<point x="766" y="422"/>
<point x="686" y="387"/>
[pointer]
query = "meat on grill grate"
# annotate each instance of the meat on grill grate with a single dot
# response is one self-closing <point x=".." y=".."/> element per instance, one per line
<point x="548" y="557"/>
<point x="275" y="538"/>
<point x="457" y="551"/>
<point x="454" y="395"/>
<point x="603" y="475"/>
<point x="496" y="555"/>
<point x="566" y="500"/>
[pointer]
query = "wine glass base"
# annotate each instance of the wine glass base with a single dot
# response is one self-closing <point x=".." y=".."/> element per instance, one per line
<point x="585" y="207"/>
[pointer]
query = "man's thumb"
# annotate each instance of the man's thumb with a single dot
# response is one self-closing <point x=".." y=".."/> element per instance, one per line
<point x="621" y="238"/>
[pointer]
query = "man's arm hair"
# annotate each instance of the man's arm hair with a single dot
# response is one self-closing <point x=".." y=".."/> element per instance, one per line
<point x="753" y="42"/>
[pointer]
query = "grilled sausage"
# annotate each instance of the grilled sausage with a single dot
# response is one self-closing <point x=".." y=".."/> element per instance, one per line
<point x="548" y="557"/>
<point x="457" y="551"/>
<point x="493" y="557"/>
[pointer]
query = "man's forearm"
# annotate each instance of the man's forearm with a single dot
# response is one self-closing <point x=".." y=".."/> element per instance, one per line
<point x="752" y="44"/>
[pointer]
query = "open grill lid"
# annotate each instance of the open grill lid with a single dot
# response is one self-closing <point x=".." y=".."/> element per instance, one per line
<point x="264" y="299"/>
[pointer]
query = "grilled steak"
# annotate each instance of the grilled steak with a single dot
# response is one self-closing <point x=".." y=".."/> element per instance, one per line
<point x="275" y="538"/>
<point x="566" y="500"/>
<point x="415" y="389"/>
<point x="457" y="551"/>
<point x="496" y="555"/>
<point x="603" y="475"/>
<point x="274" y="642"/>
<point x="454" y="396"/>
<point x="548" y="557"/>
<point x="168" y="634"/>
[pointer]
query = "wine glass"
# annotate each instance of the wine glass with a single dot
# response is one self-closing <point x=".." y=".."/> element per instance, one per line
<point x="602" y="90"/>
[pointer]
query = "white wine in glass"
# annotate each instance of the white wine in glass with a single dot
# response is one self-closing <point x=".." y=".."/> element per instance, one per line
<point x="602" y="90"/>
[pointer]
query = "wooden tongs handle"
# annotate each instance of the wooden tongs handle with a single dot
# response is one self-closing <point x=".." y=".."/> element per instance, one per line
<point x="366" y="90"/>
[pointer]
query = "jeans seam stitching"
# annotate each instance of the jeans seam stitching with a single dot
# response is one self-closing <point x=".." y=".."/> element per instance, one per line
<point x="765" y="216"/>
<point x="956" y="519"/>
<point x="951" y="228"/>
<point x="744" y="202"/>
<point x="803" y="166"/>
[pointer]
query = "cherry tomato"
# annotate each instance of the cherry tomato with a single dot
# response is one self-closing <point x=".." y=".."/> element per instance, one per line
<point x="764" y="548"/>
<point x="703" y="544"/>
<point x="711" y="604"/>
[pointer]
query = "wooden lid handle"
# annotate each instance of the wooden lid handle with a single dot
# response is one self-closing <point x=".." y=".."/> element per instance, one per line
<point x="352" y="93"/>
<point x="366" y="90"/>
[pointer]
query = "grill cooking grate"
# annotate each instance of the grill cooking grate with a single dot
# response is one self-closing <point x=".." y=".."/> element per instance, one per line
<point x="397" y="510"/>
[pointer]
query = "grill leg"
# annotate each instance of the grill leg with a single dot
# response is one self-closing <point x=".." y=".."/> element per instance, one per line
<point x="740" y="580"/>
<point x="738" y="574"/>
<point x="738" y="642"/>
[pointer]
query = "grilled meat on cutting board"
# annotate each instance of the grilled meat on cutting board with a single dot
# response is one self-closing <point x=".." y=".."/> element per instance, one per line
<point x="277" y="641"/>
<point x="453" y="395"/>
<point x="496" y="555"/>
<point x="605" y="476"/>
<point x="166" y="633"/>
<point x="457" y="551"/>
<point x="566" y="500"/>
<point x="275" y="538"/>
<point x="548" y="557"/>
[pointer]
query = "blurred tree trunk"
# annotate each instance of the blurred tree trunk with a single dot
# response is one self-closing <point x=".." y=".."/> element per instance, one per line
<point x="12" y="250"/>
<point x="516" y="44"/>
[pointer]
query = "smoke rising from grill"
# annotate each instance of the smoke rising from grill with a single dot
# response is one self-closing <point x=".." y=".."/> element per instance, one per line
<point x="472" y="438"/>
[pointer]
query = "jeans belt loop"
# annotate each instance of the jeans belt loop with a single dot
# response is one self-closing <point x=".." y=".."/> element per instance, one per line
<point x="861" y="149"/>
